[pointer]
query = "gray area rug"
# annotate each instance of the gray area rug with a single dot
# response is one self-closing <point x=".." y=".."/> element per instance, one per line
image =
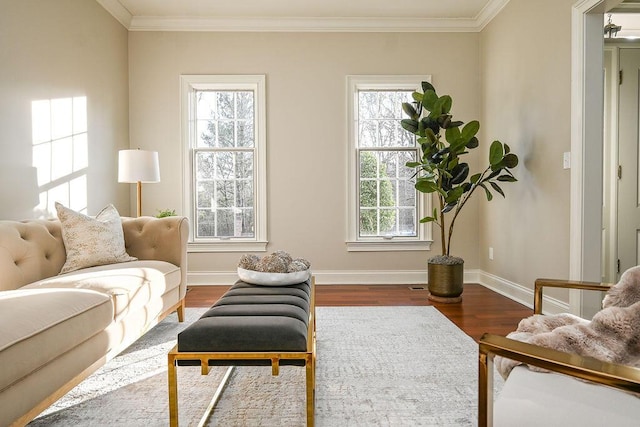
<point x="377" y="366"/>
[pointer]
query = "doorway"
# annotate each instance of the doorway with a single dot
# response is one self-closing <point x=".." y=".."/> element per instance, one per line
<point x="621" y="189"/>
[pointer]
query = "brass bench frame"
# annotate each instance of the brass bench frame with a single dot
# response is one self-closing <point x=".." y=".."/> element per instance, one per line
<point x="309" y="357"/>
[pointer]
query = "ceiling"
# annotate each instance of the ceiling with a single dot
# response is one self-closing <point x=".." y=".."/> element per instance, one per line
<point x="304" y="15"/>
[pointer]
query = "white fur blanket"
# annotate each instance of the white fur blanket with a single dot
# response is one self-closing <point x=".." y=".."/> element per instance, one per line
<point x="613" y="335"/>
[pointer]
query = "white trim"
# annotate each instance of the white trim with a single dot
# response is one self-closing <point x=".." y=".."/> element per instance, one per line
<point x="490" y="11"/>
<point x="579" y="251"/>
<point x="391" y="245"/>
<point x="118" y="11"/>
<point x="520" y="294"/>
<point x="188" y="85"/>
<point x="354" y="243"/>
<point x="324" y="277"/>
<point x="300" y="24"/>
<point x="223" y="246"/>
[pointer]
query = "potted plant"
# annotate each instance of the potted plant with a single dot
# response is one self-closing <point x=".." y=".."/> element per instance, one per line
<point x="441" y="171"/>
<point x="163" y="213"/>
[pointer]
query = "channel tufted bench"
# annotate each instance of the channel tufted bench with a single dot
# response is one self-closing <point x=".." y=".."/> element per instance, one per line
<point x="250" y="325"/>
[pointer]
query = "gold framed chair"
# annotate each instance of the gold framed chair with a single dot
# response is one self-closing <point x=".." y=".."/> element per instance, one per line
<point x="620" y="377"/>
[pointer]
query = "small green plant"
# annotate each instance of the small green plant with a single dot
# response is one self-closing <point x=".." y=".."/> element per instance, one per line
<point x="441" y="170"/>
<point x="163" y="213"/>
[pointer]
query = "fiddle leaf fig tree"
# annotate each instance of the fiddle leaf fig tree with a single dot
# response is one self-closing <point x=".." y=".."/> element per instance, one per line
<point x="441" y="170"/>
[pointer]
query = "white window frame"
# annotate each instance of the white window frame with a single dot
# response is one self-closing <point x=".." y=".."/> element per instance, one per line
<point x="189" y="84"/>
<point x="355" y="243"/>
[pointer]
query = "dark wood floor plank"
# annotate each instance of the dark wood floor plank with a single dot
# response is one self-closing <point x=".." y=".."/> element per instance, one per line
<point x="480" y="311"/>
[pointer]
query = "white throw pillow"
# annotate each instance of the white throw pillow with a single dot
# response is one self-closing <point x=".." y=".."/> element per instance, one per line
<point x="92" y="241"/>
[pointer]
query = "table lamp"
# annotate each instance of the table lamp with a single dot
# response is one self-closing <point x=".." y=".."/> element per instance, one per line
<point x="138" y="166"/>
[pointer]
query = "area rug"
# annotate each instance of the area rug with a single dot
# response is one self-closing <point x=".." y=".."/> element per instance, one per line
<point x="377" y="366"/>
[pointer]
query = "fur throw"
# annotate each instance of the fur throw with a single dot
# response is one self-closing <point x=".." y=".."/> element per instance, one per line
<point x="613" y="335"/>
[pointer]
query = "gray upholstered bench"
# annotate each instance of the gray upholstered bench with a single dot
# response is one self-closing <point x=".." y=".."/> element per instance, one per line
<point x="250" y="325"/>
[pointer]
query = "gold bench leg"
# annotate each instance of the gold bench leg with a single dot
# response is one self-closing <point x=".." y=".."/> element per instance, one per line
<point x="173" y="392"/>
<point x="311" y="389"/>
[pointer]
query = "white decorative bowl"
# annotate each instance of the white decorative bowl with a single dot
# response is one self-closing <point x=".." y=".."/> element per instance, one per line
<point x="273" y="279"/>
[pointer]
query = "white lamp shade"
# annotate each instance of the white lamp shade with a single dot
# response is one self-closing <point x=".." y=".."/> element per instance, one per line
<point x="138" y="166"/>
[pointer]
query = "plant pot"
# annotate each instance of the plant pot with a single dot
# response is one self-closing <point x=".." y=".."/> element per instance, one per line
<point x="445" y="279"/>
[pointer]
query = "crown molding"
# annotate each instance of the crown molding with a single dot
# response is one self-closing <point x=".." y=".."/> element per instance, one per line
<point x="115" y="8"/>
<point x="489" y="12"/>
<point x="287" y="24"/>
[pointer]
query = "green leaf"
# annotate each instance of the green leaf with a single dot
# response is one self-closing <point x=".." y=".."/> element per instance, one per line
<point x="410" y="110"/>
<point x="447" y="102"/>
<point x="496" y="153"/>
<point x="452" y="134"/>
<point x="427" y="86"/>
<point x="425" y="186"/>
<point x="454" y="195"/>
<point x="470" y="130"/>
<point x="497" y="188"/>
<point x="492" y="175"/>
<point x="506" y="178"/>
<point x="510" y="160"/>
<point x="448" y="207"/>
<point x="410" y="125"/>
<point x="429" y="99"/>
<point x="474" y="178"/>
<point x="473" y="143"/>
<point x="439" y="106"/>
<point x="417" y="96"/>
<point x="507" y="150"/>
<point x="487" y="192"/>
<point x="412" y="164"/>
<point x="430" y="135"/>
<point x="427" y="219"/>
<point x="460" y="172"/>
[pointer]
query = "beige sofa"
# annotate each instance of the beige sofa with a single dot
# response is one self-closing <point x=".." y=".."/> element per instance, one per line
<point x="55" y="330"/>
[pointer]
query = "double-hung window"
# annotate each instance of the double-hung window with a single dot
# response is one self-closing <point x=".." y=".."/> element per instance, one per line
<point x="384" y="208"/>
<point x="224" y="146"/>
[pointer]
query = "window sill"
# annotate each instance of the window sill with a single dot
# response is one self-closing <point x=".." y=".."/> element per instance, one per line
<point x="389" y="245"/>
<point x="227" y="246"/>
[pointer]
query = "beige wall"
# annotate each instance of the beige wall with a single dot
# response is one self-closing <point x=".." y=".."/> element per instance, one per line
<point x="526" y="92"/>
<point x="59" y="49"/>
<point x="306" y="126"/>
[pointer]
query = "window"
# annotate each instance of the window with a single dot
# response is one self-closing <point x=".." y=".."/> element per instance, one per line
<point x="224" y="142"/>
<point x="384" y="207"/>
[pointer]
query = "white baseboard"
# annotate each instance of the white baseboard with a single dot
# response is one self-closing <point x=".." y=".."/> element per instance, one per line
<point x="511" y="290"/>
<point x="521" y="294"/>
<point x="323" y="277"/>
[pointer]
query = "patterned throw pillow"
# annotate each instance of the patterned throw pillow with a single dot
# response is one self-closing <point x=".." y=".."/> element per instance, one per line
<point x="92" y="241"/>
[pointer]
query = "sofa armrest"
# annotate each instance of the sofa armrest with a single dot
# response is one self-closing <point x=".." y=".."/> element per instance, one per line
<point x="162" y="239"/>
<point x="622" y="377"/>
<point x="567" y="284"/>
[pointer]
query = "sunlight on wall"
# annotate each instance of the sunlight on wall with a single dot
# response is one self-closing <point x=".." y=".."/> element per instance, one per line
<point x="60" y="153"/>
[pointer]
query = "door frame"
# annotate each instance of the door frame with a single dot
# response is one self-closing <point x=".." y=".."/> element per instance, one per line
<point x="587" y="109"/>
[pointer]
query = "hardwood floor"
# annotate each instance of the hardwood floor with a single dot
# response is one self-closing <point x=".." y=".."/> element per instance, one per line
<point x="480" y="311"/>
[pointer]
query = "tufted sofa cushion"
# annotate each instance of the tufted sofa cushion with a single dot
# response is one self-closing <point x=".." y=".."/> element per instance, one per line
<point x="29" y="251"/>
<point x="33" y="250"/>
